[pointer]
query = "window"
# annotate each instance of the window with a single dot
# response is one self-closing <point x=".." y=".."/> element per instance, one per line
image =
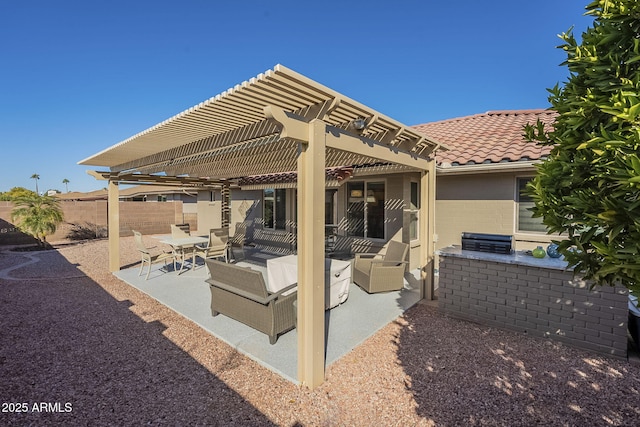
<point x="330" y="206"/>
<point x="275" y="208"/>
<point x="414" y="211"/>
<point x="365" y="209"/>
<point x="525" y="221"/>
<point x="162" y="198"/>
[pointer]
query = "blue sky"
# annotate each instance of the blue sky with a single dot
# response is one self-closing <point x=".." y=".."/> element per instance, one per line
<point x="79" y="76"/>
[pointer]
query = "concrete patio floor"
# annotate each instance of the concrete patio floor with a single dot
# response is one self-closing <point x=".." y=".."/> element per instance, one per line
<point x="346" y="326"/>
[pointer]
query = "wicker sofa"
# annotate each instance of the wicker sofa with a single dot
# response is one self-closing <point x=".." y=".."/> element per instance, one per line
<point x="241" y="293"/>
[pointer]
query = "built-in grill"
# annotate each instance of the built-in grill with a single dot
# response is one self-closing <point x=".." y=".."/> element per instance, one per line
<point x="482" y="242"/>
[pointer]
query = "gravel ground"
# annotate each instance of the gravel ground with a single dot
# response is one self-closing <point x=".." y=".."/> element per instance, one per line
<point x="80" y="347"/>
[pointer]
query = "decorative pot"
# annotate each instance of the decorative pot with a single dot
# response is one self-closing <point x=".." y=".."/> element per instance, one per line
<point x="552" y="251"/>
<point x="539" y="252"/>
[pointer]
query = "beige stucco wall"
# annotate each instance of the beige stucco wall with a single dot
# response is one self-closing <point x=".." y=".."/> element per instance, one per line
<point x="481" y="203"/>
<point x="243" y="210"/>
<point x="394" y="208"/>
<point x="209" y="215"/>
<point x="481" y="216"/>
<point x="246" y="212"/>
<point x="397" y="199"/>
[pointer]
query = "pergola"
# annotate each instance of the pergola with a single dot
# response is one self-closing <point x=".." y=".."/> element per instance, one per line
<point x="277" y="122"/>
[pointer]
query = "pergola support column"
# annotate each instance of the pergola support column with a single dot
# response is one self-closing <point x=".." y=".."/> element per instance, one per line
<point x="312" y="142"/>
<point x="427" y="230"/>
<point x="113" y="212"/>
<point x="225" y="193"/>
<point x="311" y="184"/>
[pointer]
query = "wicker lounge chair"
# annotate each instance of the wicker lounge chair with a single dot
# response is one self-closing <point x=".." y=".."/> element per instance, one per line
<point x="149" y="259"/>
<point x="375" y="273"/>
<point x="240" y="293"/>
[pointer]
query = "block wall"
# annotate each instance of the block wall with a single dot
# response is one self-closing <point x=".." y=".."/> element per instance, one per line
<point x="538" y="301"/>
<point x="146" y="217"/>
<point x="151" y="218"/>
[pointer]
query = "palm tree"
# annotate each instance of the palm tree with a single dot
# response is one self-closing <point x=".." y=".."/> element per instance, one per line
<point x="36" y="177"/>
<point x="66" y="183"/>
<point x="37" y="215"/>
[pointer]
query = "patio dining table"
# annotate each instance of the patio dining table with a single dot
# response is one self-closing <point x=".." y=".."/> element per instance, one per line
<point x="182" y="244"/>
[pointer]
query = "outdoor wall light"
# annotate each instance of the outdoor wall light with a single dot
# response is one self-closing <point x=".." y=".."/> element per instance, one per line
<point x="359" y="123"/>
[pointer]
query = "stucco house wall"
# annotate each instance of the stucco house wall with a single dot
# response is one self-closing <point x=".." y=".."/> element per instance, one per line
<point x="476" y="177"/>
<point x="247" y="205"/>
<point x="244" y="212"/>
<point x="481" y="203"/>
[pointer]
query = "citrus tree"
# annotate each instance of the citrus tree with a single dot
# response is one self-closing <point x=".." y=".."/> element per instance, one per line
<point x="588" y="188"/>
<point x="16" y="192"/>
<point x="37" y="215"/>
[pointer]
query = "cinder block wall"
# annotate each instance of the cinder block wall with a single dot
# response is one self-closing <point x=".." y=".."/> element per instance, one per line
<point x="146" y="217"/>
<point x="150" y="217"/>
<point x="539" y="301"/>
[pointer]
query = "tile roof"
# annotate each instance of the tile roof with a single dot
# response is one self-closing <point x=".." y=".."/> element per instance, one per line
<point x="492" y="137"/>
<point x="78" y="195"/>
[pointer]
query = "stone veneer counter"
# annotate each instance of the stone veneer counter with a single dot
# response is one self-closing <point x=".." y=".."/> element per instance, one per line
<point x="538" y="296"/>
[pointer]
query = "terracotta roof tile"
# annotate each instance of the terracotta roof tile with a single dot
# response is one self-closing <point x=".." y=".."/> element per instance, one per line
<point x="492" y="137"/>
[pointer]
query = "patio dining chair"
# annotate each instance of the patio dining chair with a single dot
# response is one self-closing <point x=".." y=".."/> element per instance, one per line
<point x="236" y="244"/>
<point x="217" y="247"/>
<point x="381" y="273"/>
<point x="147" y="258"/>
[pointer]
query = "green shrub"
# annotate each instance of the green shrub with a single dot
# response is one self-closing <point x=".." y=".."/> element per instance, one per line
<point x="86" y="231"/>
<point x="589" y="187"/>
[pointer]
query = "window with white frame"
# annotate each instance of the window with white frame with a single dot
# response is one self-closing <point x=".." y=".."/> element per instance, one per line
<point x="365" y="209"/>
<point x="414" y="210"/>
<point x="525" y="222"/>
<point x="274" y="213"/>
<point x="330" y="206"/>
